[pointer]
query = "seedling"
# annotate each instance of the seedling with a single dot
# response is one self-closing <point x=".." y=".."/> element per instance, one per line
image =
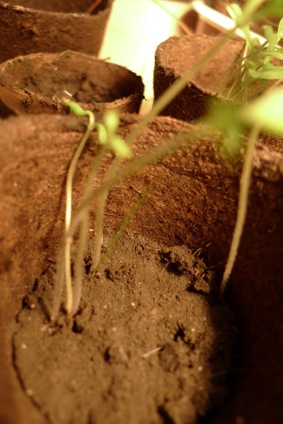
<point x="243" y="119"/>
<point x="262" y="114"/>
<point x="64" y="261"/>
<point x="109" y="141"/>
<point x="256" y="64"/>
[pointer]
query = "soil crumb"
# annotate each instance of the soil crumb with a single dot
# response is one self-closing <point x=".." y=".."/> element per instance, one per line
<point x="151" y="342"/>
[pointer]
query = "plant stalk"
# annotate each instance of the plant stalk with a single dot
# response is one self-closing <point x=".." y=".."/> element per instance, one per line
<point x="65" y="251"/>
<point x="101" y="202"/>
<point x="245" y="182"/>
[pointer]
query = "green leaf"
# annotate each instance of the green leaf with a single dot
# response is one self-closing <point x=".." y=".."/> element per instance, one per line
<point x="277" y="54"/>
<point x="279" y="34"/>
<point x="272" y="9"/>
<point x="235" y="12"/>
<point x="225" y="118"/>
<point x="250" y="7"/>
<point x="270" y="36"/>
<point x="102" y="134"/>
<point x="75" y="108"/>
<point x="111" y="120"/>
<point x="120" y="147"/>
<point x="221" y="115"/>
<point x="266" y="112"/>
<point x="275" y="72"/>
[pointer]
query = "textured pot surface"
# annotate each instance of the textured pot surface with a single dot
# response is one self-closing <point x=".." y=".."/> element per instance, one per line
<point x="30" y="26"/>
<point x="213" y="81"/>
<point x="193" y="202"/>
<point x="175" y="56"/>
<point x="39" y="83"/>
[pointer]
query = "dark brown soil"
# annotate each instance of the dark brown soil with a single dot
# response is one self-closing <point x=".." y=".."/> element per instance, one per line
<point x="39" y="82"/>
<point x="64" y="83"/>
<point x="193" y="203"/>
<point x="150" y="344"/>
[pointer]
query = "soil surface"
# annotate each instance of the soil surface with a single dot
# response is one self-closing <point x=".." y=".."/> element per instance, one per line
<point x="38" y="83"/>
<point x="151" y="342"/>
<point x="66" y="84"/>
<point x="62" y="76"/>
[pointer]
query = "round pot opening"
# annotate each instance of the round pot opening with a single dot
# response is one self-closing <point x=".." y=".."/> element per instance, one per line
<point x="40" y="82"/>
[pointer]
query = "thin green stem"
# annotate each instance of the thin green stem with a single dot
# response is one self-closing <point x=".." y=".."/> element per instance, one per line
<point x="64" y="256"/>
<point x="79" y="261"/>
<point x="111" y="180"/>
<point x="71" y="171"/>
<point x="245" y="182"/>
<point x="102" y="198"/>
<point x="134" y="166"/>
<point x="101" y="202"/>
<point x="250" y="8"/>
<point x="68" y="275"/>
<point x="179" y="21"/>
<point x="68" y="214"/>
<point x="58" y="284"/>
<point x="141" y="199"/>
<point x="159" y="105"/>
<point x="83" y="233"/>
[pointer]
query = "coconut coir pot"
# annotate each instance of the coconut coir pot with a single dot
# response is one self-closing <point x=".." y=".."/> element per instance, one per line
<point x="193" y="203"/>
<point x="173" y="58"/>
<point x="176" y="55"/>
<point x="39" y="83"/>
<point x="30" y="26"/>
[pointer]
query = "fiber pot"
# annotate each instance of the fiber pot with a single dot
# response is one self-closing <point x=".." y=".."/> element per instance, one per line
<point x="30" y="26"/>
<point x="178" y="54"/>
<point x="38" y="83"/>
<point x="193" y="202"/>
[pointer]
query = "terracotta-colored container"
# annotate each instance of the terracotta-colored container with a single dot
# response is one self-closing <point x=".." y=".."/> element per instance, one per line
<point x="30" y="26"/>
<point x="193" y="202"/>
<point x="175" y="56"/>
<point x="39" y="82"/>
<point x="212" y="82"/>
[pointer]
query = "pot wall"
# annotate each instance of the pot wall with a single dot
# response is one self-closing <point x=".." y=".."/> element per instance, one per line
<point x="38" y="83"/>
<point x="193" y="202"/>
<point x="25" y="30"/>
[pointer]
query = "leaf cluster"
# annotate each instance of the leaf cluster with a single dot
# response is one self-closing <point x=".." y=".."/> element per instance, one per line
<point x="259" y="61"/>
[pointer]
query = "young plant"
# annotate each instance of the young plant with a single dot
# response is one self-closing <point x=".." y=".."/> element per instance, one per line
<point x="257" y="62"/>
<point x="64" y="261"/>
<point x="263" y="114"/>
<point x="109" y="141"/>
<point x="258" y="115"/>
<point x="250" y="72"/>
